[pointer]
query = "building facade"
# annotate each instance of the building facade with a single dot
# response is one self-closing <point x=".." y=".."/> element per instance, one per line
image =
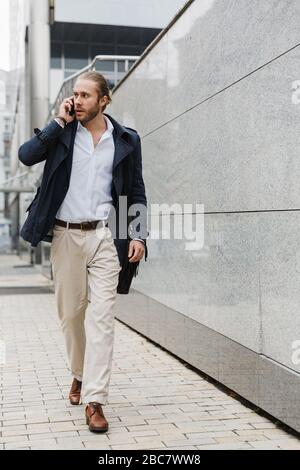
<point x="51" y="40"/>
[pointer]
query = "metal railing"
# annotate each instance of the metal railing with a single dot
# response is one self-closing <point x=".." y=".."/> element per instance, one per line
<point x="25" y="182"/>
<point x="66" y="88"/>
<point x="30" y="179"/>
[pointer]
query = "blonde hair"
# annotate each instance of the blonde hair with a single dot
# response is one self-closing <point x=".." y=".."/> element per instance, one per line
<point x="101" y="82"/>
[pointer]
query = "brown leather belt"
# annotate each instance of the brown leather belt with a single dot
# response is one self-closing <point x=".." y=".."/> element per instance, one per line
<point x="82" y="225"/>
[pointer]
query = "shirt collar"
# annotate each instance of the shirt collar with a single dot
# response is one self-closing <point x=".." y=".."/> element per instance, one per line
<point x="110" y="126"/>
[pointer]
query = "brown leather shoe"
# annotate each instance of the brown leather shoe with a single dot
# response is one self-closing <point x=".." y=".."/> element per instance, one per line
<point x="95" y="417"/>
<point x="74" y="395"/>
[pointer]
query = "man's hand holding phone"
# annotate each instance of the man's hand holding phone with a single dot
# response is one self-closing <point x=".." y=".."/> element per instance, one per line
<point x="66" y="109"/>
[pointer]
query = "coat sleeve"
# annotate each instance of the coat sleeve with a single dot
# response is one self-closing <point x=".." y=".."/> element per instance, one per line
<point x="138" y="192"/>
<point x="35" y="150"/>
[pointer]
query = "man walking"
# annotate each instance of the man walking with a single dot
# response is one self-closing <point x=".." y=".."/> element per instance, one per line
<point x="90" y="161"/>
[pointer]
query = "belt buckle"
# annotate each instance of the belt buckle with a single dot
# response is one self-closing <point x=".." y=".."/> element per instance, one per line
<point x="84" y="224"/>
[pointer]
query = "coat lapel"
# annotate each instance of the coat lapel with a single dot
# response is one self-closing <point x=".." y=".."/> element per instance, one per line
<point x="67" y="139"/>
<point x="123" y="147"/>
<point x="66" y="136"/>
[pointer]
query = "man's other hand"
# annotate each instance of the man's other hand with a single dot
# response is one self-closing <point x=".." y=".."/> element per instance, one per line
<point x="136" y="250"/>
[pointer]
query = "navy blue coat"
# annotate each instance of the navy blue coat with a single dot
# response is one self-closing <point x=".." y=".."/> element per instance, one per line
<point x="55" y="145"/>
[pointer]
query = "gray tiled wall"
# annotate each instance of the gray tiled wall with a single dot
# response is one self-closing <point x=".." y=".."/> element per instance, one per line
<point x="213" y="104"/>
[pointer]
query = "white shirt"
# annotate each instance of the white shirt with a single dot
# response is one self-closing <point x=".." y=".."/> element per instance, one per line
<point x="89" y="194"/>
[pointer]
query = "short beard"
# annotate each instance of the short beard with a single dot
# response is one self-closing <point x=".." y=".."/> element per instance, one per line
<point x="91" y="114"/>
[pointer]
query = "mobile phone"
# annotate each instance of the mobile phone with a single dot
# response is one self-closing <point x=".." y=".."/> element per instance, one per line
<point x="72" y="110"/>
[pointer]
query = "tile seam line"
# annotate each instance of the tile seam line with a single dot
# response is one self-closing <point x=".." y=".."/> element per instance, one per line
<point x="254" y="211"/>
<point x="222" y="90"/>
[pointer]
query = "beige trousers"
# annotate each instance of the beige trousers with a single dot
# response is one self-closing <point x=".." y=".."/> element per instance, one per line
<point x="85" y="267"/>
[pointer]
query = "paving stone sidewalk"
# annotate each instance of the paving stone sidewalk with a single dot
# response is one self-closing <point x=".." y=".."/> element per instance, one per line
<point x="155" y="401"/>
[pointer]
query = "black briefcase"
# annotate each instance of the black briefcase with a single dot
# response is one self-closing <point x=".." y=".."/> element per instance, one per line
<point x="128" y="271"/>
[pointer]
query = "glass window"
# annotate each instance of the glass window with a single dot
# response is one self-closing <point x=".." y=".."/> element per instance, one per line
<point x="129" y="50"/>
<point x="128" y="35"/>
<point x="130" y="63"/>
<point x="76" y="56"/>
<point x="55" y="62"/>
<point x="105" y="65"/>
<point x="111" y="84"/>
<point x="68" y="73"/>
<point x="121" y="65"/>
<point x="102" y="49"/>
